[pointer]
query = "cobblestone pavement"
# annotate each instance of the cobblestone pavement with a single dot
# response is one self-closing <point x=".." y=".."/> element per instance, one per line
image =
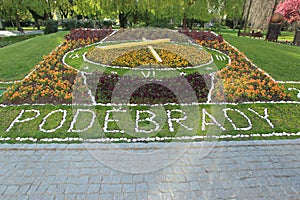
<point x="205" y="170"/>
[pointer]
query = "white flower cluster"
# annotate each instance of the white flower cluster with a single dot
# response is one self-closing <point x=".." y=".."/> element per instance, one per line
<point x="154" y="139"/>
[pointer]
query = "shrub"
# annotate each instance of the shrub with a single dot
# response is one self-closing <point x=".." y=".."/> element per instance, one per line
<point x="85" y="23"/>
<point x="69" y="24"/>
<point x="51" y="26"/>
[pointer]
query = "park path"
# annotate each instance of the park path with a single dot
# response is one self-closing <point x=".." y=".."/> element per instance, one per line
<point x="16" y="33"/>
<point x="204" y="170"/>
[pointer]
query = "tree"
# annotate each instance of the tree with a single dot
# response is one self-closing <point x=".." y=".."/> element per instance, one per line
<point x="290" y="10"/>
<point x="228" y="9"/>
<point x="192" y="10"/>
<point x="121" y="8"/>
<point x="13" y="9"/>
<point x="87" y="8"/>
<point x="39" y="9"/>
<point x="65" y="8"/>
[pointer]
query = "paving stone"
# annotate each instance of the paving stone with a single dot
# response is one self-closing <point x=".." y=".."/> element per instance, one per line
<point x="48" y="197"/>
<point x="76" y="189"/>
<point x="93" y="196"/>
<point x="93" y="188"/>
<point x="106" y="196"/>
<point x="141" y="187"/>
<point x="118" y="196"/>
<point x="2" y="188"/>
<point x="142" y="195"/>
<point x="15" y="197"/>
<point x="115" y="188"/>
<point x="138" y="178"/>
<point x="232" y="170"/>
<point x="11" y="189"/>
<point x="130" y="195"/>
<point x="128" y="187"/>
<point x="127" y="179"/>
<point x="153" y="196"/>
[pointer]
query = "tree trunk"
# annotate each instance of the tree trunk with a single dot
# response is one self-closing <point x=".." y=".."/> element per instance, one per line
<point x="147" y="18"/>
<point x="36" y="18"/>
<point x="273" y="11"/>
<point x="235" y="23"/>
<point x="184" y="22"/>
<point x="191" y="24"/>
<point x="260" y="13"/>
<point x="63" y="13"/>
<point x="123" y="19"/>
<point x="247" y="16"/>
<point x="18" y="24"/>
<point x="1" y="25"/>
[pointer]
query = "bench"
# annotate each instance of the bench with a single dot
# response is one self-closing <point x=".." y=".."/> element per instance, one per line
<point x="257" y="34"/>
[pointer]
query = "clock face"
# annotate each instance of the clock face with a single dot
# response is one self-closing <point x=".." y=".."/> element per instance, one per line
<point x="147" y="66"/>
<point x="145" y="50"/>
<point x="168" y="55"/>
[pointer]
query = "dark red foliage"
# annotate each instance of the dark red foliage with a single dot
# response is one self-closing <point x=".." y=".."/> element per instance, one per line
<point x="201" y="35"/>
<point x="94" y="34"/>
<point x="133" y="89"/>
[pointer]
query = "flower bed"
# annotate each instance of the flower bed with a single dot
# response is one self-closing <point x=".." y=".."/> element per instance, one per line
<point x="94" y="34"/>
<point x="185" y="115"/>
<point x="140" y="57"/>
<point x="202" y="35"/>
<point x="241" y="80"/>
<point x="151" y="91"/>
<point x="51" y="81"/>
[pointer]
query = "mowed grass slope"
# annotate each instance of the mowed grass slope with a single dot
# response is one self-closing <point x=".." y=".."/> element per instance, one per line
<point x="282" y="62"/>
<point x="17" y="60"/>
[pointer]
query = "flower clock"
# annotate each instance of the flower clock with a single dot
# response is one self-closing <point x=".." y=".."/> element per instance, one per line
<point x="146" y="85"/>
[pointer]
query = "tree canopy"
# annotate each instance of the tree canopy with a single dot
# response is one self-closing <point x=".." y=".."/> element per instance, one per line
<point x="147" y="11"/>
<point x="290" y="10"/>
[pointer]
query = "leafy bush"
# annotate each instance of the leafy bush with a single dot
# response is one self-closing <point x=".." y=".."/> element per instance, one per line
<point x="51" y="26"/>
<point x="69" y="24"/>
<point x="85" y="23"/>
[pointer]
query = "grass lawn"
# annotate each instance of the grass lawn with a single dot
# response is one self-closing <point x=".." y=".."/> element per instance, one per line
<point x="18" y="60"/>
<point x="280" y="61"/>
<point x="6" y="41"/>
<point x="285" y="35"/>
<point x="284" y="118"/>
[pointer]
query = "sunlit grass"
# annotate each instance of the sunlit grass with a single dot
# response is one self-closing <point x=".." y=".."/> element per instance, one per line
<point x="279" y="60"/>
<point x="19" y="59"/>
